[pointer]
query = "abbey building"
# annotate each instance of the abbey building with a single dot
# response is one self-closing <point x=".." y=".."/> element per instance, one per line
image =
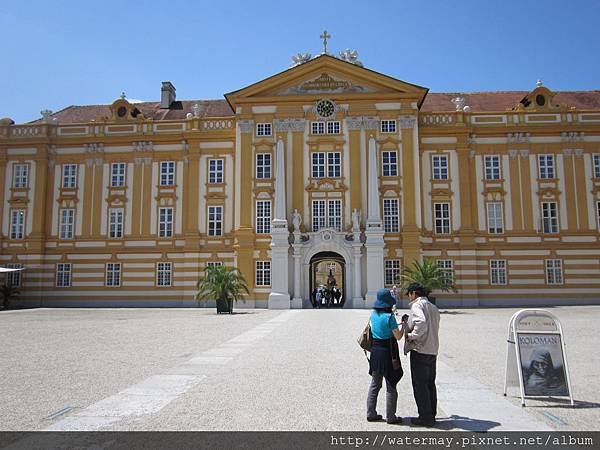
<point x="327" y="169"/>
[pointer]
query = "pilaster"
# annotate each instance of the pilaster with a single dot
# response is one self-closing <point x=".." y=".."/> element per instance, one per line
<point x="410" y="231"/>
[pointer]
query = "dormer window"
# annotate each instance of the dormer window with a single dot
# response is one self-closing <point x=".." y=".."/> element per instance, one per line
<point x="540" y="100"/>
<point x="122" y="111"/>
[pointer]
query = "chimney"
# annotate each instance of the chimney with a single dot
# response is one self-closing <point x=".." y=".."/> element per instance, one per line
<point x="167" y="94"/>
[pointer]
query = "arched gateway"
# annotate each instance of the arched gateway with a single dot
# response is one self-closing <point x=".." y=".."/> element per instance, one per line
<point x="327" y="280"/>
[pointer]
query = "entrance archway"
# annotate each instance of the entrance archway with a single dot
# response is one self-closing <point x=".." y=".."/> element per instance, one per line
<point x="327" y="280"/>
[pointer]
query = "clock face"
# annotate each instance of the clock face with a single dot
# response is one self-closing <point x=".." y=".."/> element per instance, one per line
<point x="325" y="108"/>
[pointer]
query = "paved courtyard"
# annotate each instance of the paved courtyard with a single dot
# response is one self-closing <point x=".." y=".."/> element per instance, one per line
<point x="190" y="369"/>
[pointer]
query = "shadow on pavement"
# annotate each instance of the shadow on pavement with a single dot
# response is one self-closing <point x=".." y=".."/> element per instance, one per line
<point x="464" y="423"/>
<point x="562" y="403"/>
<point x="454" y="312"/>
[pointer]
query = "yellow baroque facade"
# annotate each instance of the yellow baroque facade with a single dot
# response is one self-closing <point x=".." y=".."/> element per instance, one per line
<point x="324" y="170"/>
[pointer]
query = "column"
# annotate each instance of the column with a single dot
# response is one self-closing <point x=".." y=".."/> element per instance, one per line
<point x="191" y="192"/>
<point x="297" y="300"/>
<point x="357" y="300"/>
<point x="279" y="298"/>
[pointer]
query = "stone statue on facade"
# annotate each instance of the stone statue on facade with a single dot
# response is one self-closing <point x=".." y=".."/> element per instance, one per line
<point x="355" y="220"/>
<point x="296" y="220"/>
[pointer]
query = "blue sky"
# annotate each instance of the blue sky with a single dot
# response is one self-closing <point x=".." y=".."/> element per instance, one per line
<point x="60" y="53"/>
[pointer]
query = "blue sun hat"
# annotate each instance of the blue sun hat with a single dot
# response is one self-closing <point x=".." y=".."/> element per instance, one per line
<point x="384" y="299"/>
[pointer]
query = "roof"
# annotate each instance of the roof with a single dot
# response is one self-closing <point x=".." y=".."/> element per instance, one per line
<point x="501" y="101"/>
<point x="434" y="101"/>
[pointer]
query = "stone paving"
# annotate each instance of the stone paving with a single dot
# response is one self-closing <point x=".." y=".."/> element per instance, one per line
<point x="190" y="369"/>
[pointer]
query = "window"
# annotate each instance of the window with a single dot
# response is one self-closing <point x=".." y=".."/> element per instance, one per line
<point x="163" y="274"/>
<point x="215" y="171"/>
<point x="263" y="216"/>
<point x="263" y="273"/>
<point x="115" y="223"/>
<point x="549" y="217"/>
<point x="331" y="267"/>
<point x="63" y="275"/>
<point x="388" y="126"/>
<point x="318" y="165"/>
<point x="597" y="166"/>
<point x="334" y="210"/>
<point x="263" y="129"/>
<point x="214" y="264"/>
<point x="497" y="271"/>
<point x="117" y="174"/>
<point x="546" y="165"/>
<point x="69" y="176"/>
<point x="13" y="279"/>
<point x="67" y="217"/>
<point x="391" y="222"/>
<point x="333" y="127"/>
<point x="492" y="167"/>
<point x="20" y="176"/>
<point x="318" y="214"/>
<point x="165" y="222"/>
<point x="17" y="223"/>
<point x="442" y="217"/>
<point x="317" y="127"/>
<point x="113" y="274"/>
<point x="389" y="164"/>
<point x="392" y="271"/>
<point x="263" y="165"/>
<point x="167" y="173"/>
<point x="554" y="273"/>
<point x="334" y="165"/>
<point x="215" y="220"/>
<point x="446" y="269"/>
<point x="495" y="218"/>
<point x="440" y="167"/>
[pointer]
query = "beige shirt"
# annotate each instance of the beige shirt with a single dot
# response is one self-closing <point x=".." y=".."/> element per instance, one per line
<point x="422" y="332"/>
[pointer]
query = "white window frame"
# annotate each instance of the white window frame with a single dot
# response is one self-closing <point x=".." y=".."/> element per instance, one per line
<point x="14" y="279"/>
<point x="554" y="271"/>
<point x="318" y="164"/>
<point x="214" y="263"/>
<point x="63" y="274"/>
<point x="319" y="220"/>
<point x="264" y="129"/>
<point x="498" y="272"/>
<point x="389" y="163"/>
<point x="166" y="221"/>
<point x="69" y="176"/>
<point x="113" y="275"/>
<point x="17" y="223"/>
<point x="391" y="215"/>
<point x="596" y="163"/>
<point x="550" y="223"/>
<point x="263" y="166"/>
<point x="392" y="271"/>
<point x="492" y="167"/>
<point x="215" y="171"/>
<point x="442" y="221"/>
<point x="118" y="173"/>
<point x="317" y="127"/>
<point x="263" y="216"/>
<point x="334" y="164"/>
<point x="334" y="214"/>
<point x="333" y="127"/>
<point x="20" y="176"/>
<point x="546" y="165"/>
<point x="167" y="173"/>
<point x="262" y="271"/>
<point x="66" y="224"/>
<point x="440" y="171"/>
<point x="164" y="274"/>
<point x="495" y="217"/>
<point x="116" y="219"/>
<point x="215" y="220"/>
<point x="388" y="126"/>
<point x="446" y="266"/>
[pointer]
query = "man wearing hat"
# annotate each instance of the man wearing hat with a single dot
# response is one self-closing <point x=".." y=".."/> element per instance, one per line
<point x="422" y="341"/>
<point x="385" y="358"/>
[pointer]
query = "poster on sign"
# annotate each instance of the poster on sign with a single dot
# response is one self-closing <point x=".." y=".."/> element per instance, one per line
<point x="542" y="364"/>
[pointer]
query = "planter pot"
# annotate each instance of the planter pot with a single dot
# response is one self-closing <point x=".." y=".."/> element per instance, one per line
<point x="224" y="306"/>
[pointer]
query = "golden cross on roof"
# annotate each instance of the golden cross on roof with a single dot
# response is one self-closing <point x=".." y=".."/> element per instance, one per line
<point x="325" y="36"/>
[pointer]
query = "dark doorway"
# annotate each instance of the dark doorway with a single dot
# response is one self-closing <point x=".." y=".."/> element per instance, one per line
<point x="327" y="280"/>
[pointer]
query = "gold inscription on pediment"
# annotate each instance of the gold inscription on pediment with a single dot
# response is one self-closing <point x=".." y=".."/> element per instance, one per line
<point x="325" y="83"/>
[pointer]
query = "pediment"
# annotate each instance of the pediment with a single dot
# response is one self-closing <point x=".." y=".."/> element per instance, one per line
<point x="325" y="76"/>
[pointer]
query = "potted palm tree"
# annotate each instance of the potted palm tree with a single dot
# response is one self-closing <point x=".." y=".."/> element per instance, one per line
<point x="430" y="276"/>
<point x="223" y="284"/>
<point x="7" y="293"/>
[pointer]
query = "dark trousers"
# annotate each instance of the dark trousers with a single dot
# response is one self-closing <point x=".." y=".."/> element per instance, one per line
<point x="391" y="398"/>
<point x="422" y="368"/>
